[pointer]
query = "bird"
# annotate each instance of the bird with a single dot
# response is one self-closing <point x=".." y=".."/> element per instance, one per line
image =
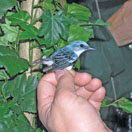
<point x="64" y="58"/>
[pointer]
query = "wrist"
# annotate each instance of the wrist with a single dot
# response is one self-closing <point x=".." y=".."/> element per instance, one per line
<point x="100" y="128"/>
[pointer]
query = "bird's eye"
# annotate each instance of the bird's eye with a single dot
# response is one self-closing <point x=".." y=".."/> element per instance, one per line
<point x="81" y="45"/>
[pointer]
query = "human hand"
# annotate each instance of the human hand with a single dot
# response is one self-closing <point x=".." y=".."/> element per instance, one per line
<point x="121" y="21"/>
<point x="70" y="102"/>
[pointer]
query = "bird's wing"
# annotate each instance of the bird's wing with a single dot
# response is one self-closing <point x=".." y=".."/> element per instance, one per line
<point x="62" y="59"/>
<point x="64" y="56"/>
<point x="56" y="67"/>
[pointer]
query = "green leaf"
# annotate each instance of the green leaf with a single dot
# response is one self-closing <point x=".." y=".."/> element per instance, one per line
<point x="104" y="103"/>
<point x="61" y="44"/>
<point x="5" y="91"/>
<point x="53" y="27"/>
<point x="6" y="116"/>
<point x="25" y="92"/>
<point x="29" y="33"/>
<point x="78" y="33"/>
<point x="79" y="11"/>
<point x="4" y="51"/>
<point x="6" y="5"/>
<point x="47" y="52"/>
<point x="29" y="95"/>
<point x="77" y="65"/>
<point x="4" y="108"/>
<point x="23" y="124"/>
<point x="58" y="1"/>
<point x="13" y="65"/>
<point x="3" y="75"/>
<point x="90" y="31"/>
<point x="125" y="104"/>
<point x="46" y="5"/>
<point x="9" y="122"/>
<point x="11" y="62"/>
<point x="99" y="22"/>
<point x="38" y="130"/>
<point x="19" y="18"/>
<point x="10" y="32"/>
<point x="3" y="41"/>
<point x="41" y="41"/>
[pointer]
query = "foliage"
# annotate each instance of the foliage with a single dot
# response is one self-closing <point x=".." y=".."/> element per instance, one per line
<point x="6" y="5"/>
<point x="17" y="96"/>
<point x="122" y="103"/>
<point x="61" y="23"/>
<point x="11" y="62"/>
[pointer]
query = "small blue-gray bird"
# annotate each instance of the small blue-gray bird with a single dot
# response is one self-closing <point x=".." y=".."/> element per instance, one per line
<point x="64" y="58"/>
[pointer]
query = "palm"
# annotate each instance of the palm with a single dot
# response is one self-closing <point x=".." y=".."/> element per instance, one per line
<point x="86" y="87"/>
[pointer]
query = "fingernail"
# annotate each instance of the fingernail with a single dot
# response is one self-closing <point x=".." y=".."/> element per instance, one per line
<point x="59" y="74"/>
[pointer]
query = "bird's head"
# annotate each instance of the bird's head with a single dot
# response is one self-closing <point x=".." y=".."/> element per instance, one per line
<point x="79" y="47"/>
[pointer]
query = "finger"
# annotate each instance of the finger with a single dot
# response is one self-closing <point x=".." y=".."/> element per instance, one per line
<point x="83" y="93"/>
<point x="82" y="79"/>
<point x="45" y="92"/>
<point x="97" y="97"/>
<point x="87" y="90"/>
<point x="93" y="85"/>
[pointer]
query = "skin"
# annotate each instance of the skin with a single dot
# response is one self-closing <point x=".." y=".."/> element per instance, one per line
<point x="70" y="102"/>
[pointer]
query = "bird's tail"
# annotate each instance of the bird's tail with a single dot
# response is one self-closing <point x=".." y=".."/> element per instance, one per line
<point x="37" y="62"/>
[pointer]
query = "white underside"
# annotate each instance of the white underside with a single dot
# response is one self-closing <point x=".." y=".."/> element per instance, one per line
<point x="69" y="68"/>
<point x="79" y="52"/>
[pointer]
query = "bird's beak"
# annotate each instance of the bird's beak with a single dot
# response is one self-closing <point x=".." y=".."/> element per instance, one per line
<point x="91" y="48"/>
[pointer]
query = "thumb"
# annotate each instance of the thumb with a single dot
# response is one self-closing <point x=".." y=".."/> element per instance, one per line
<point x="65" y="81"/>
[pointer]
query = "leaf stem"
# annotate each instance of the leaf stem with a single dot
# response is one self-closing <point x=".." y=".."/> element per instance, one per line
<point x="30" y="44"/>
<point x="35" y="14"/>
<point x="2" y="91"/>
<point x="17" y="42"/>
<point x="17" y="7"/>
<point x="91" y="24"/>
<point x="113" y="103"/>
